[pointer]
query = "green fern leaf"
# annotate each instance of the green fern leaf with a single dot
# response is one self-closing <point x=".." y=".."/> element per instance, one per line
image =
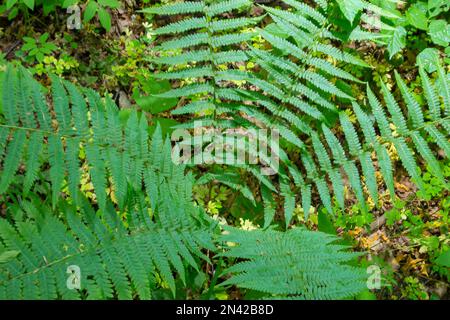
<point x="188" y="90"/>
<point x="413" y="106"/>
<point x="56" y="160"/>
<point x="394" y="109"/>
<point x="430" y="95"/>
<point x="176" y="8"/>
<point x="427" y="154"/>
<point x="408" y="161"/>
<point x="12" y="159"/>
<point x="32" y="164"/>
<point x="182" y="26"/>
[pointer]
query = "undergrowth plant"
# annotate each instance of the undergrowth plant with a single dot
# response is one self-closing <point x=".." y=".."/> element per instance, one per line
<point x="142" y="224"/>
<point x="298" y="95"/>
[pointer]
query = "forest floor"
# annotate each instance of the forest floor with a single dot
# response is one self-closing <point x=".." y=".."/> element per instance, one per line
<point x="403" y="238"/>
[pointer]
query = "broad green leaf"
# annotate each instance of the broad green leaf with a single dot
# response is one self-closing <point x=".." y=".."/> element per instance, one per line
<point x="166" y="125"/>
<point x="105" y="18"/>
<point x="29" y="4"/>
<point x="109" y="3"/>
<point x="439" y="32"/>
<point x="154" y="104"/>
<point x="325" y="224"/>
<point x="444" y="259"/>
<point x="274" y="29"/>
<point x="13" y="13"/>
<point x="90" y="11"/>
<point x="427" y="59"/>
<point x="435" y="7"/>
<point x="397" y="42"/>
<point x="69" y="3"/>
<point x="10" y="4"/>
<point x="416" y="16"/>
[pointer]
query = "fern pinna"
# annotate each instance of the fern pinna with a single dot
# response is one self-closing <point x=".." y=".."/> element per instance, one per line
<point x="141" y="228"/>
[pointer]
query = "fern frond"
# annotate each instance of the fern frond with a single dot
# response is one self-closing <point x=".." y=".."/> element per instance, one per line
<point x="186" y="41"/>
<point x="182" y="26"/>
<point x="112" y="263"/>
<point x="299" y="86"/>
<point x="231" y="24"/>
<point x="115" y="259"/>
<point x="413" y="106"/>
<point x="280" y="266"/>
<point x="188" y="90"/>
<point x="412" y="143"/>
<point x="194" y="72"/>
<point x="230" y="39"/>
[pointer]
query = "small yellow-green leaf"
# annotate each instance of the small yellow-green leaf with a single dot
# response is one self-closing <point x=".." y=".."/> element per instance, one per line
<point x="8" y="256"/>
